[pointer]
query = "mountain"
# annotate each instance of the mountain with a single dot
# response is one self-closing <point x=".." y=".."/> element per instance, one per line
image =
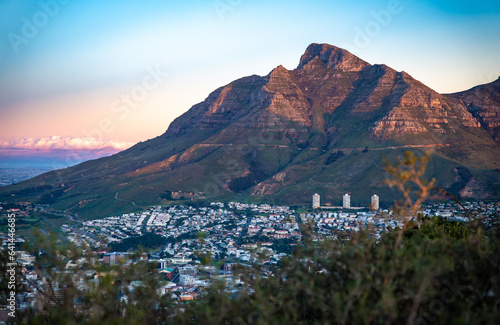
<point x="325" y="127"/>
<point x="484" y="103"/>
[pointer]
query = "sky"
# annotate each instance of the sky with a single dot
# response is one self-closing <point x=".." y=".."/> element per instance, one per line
<point x="95" y="73"/>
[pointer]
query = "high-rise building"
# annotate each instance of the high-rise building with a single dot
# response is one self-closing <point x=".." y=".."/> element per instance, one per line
<point x="346" y="201"/>
<point x="316" y="199"/>
<point x="162" y="264"/>
<point x="375" y="202"/>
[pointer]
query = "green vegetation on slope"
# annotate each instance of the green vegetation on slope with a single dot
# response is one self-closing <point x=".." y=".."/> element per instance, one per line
<point x="430" y="271"/>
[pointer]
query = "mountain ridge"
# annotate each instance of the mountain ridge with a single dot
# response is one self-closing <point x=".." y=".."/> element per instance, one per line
<point x="276" y="138"/>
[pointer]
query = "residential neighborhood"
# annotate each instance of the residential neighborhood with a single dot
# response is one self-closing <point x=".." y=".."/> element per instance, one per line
<point x="194" y="246"/>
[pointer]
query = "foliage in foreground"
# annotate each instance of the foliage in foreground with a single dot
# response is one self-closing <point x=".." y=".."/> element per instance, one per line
<point x="429" y="272"/>
<point x="442" y="273"/>
<point x="438" y="280"/>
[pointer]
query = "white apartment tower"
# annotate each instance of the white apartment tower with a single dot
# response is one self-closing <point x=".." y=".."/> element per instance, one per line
<point x="316" y="198"/>
<point x="346" y="201"/>
<point x="375" y="202"/>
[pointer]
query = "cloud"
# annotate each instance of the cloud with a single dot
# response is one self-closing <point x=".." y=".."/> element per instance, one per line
<point x="57" y="142"/>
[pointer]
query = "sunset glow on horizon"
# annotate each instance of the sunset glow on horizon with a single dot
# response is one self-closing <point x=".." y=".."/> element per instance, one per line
<point x="67" y="143"/>
<point x="121" y="72"/>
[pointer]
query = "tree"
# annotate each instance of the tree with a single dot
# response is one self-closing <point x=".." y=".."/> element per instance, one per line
<point x="407" y="173"/>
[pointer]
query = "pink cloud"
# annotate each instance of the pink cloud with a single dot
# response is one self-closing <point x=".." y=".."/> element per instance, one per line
<point x="57" y="142"/>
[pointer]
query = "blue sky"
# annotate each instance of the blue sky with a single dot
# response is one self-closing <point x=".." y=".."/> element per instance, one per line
<point x="66" y="76"/>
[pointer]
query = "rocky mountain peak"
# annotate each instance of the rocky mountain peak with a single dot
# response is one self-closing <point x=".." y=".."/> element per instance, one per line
<point x="279" y="72"/>
<point x="333" y="57"/>
<point x="483" y="102"/>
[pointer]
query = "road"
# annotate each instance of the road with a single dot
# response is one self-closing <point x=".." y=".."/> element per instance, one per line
<point x="133" y="203"/>
<point x="313" y="148"/>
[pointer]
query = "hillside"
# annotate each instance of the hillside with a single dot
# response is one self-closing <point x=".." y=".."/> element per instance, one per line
<point x="483" y="102"/>
<point x="325" y="127"/>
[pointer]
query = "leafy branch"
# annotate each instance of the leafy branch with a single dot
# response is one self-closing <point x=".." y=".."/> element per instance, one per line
<point x="407" y="174"/>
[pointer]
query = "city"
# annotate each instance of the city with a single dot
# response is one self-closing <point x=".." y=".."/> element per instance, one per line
<point x="199" y="245"/>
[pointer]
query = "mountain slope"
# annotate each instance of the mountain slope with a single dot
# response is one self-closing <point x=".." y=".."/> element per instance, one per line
<point x="484" y="103"/>
<point x="323" y="127"/>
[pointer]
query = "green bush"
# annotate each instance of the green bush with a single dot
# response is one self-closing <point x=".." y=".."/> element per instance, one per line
<point x="429" y="279"/>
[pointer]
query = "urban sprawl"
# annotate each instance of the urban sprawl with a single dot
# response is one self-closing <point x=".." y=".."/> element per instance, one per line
<point x="229" y="233"/>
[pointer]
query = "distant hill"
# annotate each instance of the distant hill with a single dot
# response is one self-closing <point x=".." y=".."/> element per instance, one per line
<point x="324" y="127"/>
